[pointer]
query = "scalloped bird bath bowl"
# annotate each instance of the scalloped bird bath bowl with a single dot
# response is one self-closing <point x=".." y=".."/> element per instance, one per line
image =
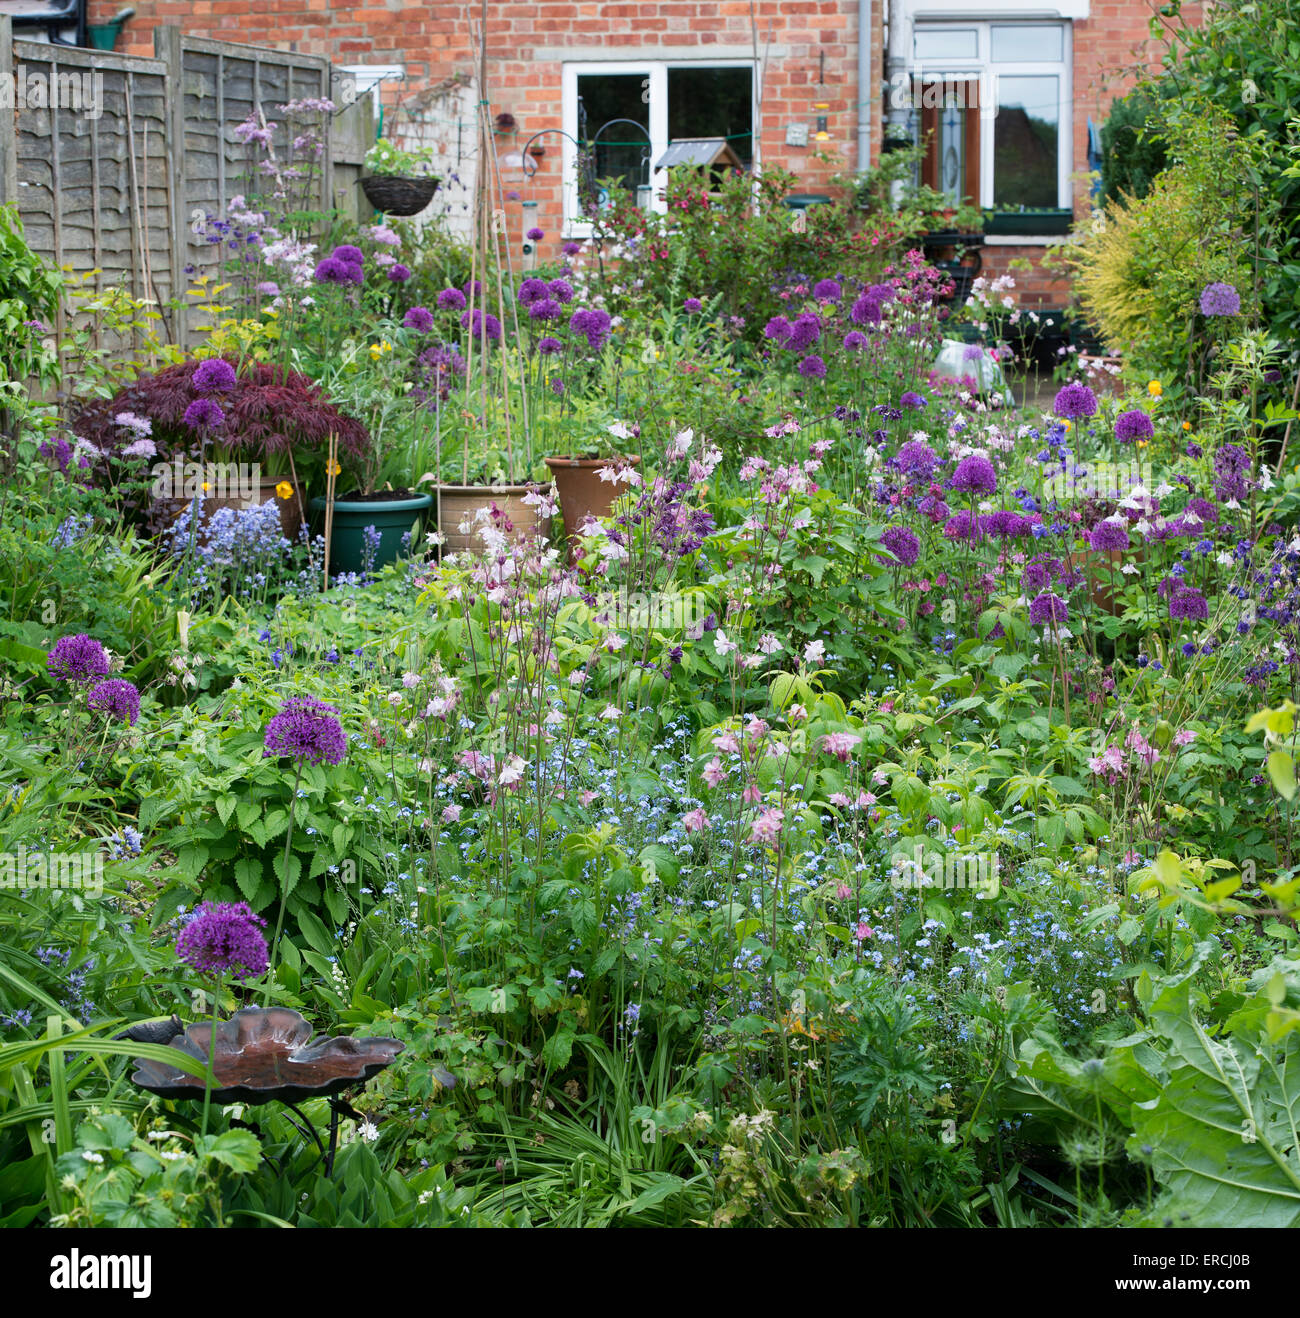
<point x="267" y="1054"/>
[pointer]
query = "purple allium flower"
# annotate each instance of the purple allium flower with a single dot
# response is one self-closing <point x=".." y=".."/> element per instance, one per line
<point x="867" y="309"/>
<point x="333" y="271"/>
<point x="1005" y="524"/>
<point x="1047" y="608"/>
<point x="903" y="543"/>
<point x="805" y="331"/>
<point x="419" y="319"/>
<point x="911" y="401"/>
<point x="777" y="328"/>
<point x="1220" y="300"/>
<point x="399" y="273"/>
<point x="1188" y="604"/>
<point x="451" y="299"/>
<point x="1132" y="426"/>
<point x="78" y="658"/>
<point x="1036" y="577"/>
<point x="561" y="290"/>
<point x="692" y="306"/>
<point x="535" y="235"/>
<point x="974" y="475"/>
<point x="572" y="248"/>
<point x="548" y="347"/>
<point x="213" y="374"/>
<point x="204" y="414"/>
<point x="532" y="290"/>
<point x="855" y="341"/>
<point x="488" y="326"/>
<point x="915" y="459"/>
<point x="224" y="938"/>
<point x="306" y="730"/>
<point x="962" y="525"/>
<point x="1231" y="464"/>
<point x="828" y="290"/>
<point x="351" y="255"/>
<point x="1108" y="536"/>
<point x="1075" y="402"/>
<point x="557" y="387"/>
<point x="475" y="291"/>
<point x="546" y="308"/>
<point x="116" y="698"/>
<point x="593" y="323"/>
<point x="812" y="368"/>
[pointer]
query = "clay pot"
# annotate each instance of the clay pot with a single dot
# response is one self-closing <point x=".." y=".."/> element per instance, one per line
<point x="582" y="493"/>
<point x="456" y="502"/>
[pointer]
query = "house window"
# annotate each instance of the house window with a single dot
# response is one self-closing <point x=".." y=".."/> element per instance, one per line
<point x="623" y="116"/>
<point x="991" y="102"/>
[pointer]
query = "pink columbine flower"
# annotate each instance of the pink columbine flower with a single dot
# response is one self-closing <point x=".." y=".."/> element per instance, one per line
<point x="863" y="931"/>
<point x="726" y="742"/>
<point x="714" y="773"/>
<point x="843" y="892"/>
<point x="840" y="745"/>
<point x="695" y="820"/>
<point x="767" y="827"/>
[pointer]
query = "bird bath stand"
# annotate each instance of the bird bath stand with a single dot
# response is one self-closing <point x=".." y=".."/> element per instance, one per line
<point x="263" y="1055"/>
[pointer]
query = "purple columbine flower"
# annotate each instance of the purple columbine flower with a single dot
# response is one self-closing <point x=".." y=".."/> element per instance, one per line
<point x="912" y="402"/>
<point x="117" y="698"/>
<point x="1075" y="402"/>
<point x="1046" y="609"/>
<point x="204" y="414"/>
<point x="399" y="273"/>
<point x="1220" y="300"/>
<point x="213" y="374"/>
<point x="78" y="658"/>
<point x="306" y="730"/>
<point x="974" y="475"/>
<point x="224" y="938"/>
<point x="419" y="319"/>
<point x="903" y="543"/>
<point x="692" y="306"/>
<point x="451" y="299"/>
<point x="1132" y="426"/>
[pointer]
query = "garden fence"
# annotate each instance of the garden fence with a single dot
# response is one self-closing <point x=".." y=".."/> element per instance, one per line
<point x="117" y="161"/>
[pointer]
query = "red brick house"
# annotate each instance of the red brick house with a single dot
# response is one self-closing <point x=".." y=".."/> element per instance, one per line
<point x="809" y="85"/>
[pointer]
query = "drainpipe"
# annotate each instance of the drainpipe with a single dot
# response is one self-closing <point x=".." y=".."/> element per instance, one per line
<point x="896" y="65"/>
<point x="864" y="84"/>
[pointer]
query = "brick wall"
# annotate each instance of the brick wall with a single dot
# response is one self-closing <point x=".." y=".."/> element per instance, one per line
<point x="528" y="43"/>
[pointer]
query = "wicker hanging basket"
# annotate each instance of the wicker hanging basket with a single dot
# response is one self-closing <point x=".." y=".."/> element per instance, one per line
<point x="395" y="194"/>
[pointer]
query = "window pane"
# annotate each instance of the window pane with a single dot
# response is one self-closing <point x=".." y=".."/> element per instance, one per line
<point x="1026" y="142"/>
<point x="1036" y="43"/>
<point x="713" y="103"/>
<point x="945" y="43"/>
<point x="622" y="150"/>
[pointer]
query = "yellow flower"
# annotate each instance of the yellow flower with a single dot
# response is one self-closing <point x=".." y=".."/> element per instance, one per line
<point x="284" y="490"/>
<point x="1187" y="425"/>
<point x="332" y="469"/>
<point x="1155" y="388"/>
<point x="377" y="350"/>
<point x="206" y="487"/>
<point x="1142" y="443"/>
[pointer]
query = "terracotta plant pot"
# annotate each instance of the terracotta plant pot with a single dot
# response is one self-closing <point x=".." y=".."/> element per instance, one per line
<point x="1097" y="568"/>
<point x="291" y="509"/>
<point x="457" y="502"/>
<point x="582" y="493"/>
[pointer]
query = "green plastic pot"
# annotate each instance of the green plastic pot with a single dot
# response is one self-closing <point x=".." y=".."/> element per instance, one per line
<point x="391" y="518"/>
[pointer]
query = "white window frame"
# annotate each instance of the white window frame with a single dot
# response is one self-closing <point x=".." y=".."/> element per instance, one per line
<point x="657" y="72"/>
<point x="983" y="65"/>
<point x="370" y="79"/>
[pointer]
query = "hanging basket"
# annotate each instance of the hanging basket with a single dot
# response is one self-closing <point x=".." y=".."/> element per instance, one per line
<point x="395" y="194"/>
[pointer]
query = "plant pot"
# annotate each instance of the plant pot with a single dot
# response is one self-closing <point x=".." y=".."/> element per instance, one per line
<point x="458" y="502"/>
<point x="391" y="518"/>
<point x="396" y="194"/>
<point x="1096" y="568"/>
<point x="1029" y="223"/>
<point x="290" y="516"/>
<point x="582" y="493"/>
<point x="1103" y="373"/>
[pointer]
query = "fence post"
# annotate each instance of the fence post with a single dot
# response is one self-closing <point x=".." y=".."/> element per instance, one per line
<point x="167" y="47"/>
<point x="9" y="134"/>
